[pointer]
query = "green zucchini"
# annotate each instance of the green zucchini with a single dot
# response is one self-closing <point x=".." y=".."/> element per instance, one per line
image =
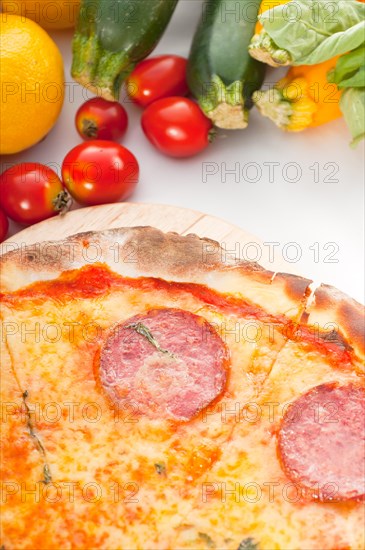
<point x="221" y="74"/>
<point x="111" y="36"/>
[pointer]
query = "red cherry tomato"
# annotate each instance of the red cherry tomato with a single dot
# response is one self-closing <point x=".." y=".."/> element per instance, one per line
<point x="177" y="126"/>
<point x="4" y="226"/>
<point x="101" y="119"/>
<point x="98" y="172"/>
<point x="157" y="77"/>
<point x="31" y="192"/>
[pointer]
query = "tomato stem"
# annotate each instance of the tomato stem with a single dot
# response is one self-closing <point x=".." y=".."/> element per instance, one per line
<point x="89" y="128"/>
<point x="212" y="134"/>
<point x="62" y="203"/>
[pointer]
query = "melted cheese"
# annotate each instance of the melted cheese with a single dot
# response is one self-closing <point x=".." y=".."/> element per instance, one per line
<point x="120" y="480"/>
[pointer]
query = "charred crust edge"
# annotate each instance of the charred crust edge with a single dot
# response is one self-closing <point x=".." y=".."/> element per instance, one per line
<point x="343" y="311"/>
<point x="172" y="253"/>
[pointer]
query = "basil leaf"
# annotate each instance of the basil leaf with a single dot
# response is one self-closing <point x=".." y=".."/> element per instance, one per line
<point x="350" y="70"/>
<point x="313" y="31"/>
<point x="352" y="104"/>
<point x="355" y="81"/>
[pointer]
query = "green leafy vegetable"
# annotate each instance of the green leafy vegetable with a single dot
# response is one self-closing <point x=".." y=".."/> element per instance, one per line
<point x="349" y="75"/>
<point x="248" y="544"/>
<point x="352" y="104"/>
<point x="355" y="81"/>
<point x="307" y="32"/>
<point x="350" y="70"/>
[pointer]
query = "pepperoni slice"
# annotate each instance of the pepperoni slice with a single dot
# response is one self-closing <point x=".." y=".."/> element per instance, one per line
<point x="321" y="442"/>
<point x="170" y="363"/>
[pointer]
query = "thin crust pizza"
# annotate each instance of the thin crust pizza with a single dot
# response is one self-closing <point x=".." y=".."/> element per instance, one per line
<point x="159" y="394"/>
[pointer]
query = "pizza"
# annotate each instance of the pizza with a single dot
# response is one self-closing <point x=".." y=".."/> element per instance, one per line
<point x="160" y="394"/>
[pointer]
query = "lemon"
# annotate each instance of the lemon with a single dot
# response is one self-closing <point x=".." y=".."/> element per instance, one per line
<point x="32" y="83"/>
<point x="49" y="14"/>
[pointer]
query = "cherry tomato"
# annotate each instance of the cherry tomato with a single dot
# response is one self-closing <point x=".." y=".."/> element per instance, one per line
<point x="101" y="119"/>
<point x="31" y="192"/>
<point x="177" y="126"/>
<point x="4" y="226"/>
<point x="157" y="77"/>
<point x="98" y="172"/>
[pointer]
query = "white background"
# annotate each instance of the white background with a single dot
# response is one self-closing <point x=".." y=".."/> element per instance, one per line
<point x="323" y="208"/>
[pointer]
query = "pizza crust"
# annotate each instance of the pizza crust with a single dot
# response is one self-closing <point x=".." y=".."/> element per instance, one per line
<point x="148" y="252"/>
<point x="137" y="251"/>
<point x="335" y="312"/>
